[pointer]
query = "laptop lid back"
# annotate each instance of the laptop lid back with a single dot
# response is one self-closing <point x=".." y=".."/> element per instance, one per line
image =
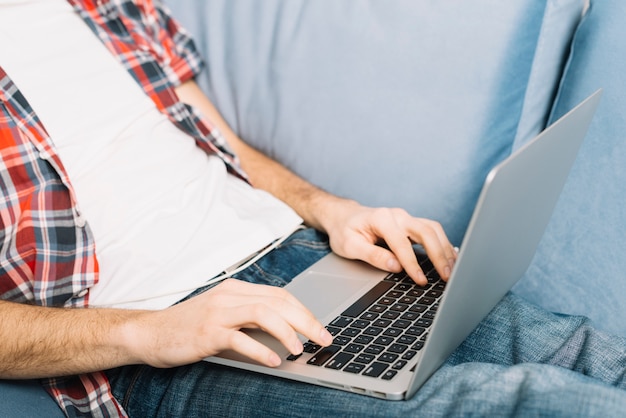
<point x="513" y="210"/>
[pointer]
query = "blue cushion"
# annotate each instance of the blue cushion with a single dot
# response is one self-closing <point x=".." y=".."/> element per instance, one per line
<point x="580" y="267"/>
<point x="25" y="399"/>
<point x="404" y="103"/>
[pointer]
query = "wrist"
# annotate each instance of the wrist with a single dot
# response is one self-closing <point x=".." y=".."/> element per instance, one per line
<point x="134" y="336"/>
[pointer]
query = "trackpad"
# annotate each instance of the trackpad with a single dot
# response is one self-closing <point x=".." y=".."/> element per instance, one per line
<point x="323" y="293"/>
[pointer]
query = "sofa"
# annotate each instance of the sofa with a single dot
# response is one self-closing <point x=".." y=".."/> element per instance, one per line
<point x="410" y="104"/>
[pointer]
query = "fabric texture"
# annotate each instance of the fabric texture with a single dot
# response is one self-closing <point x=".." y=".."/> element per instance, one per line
<point x="493" y="373"/>
<point x="46" y="247"/>
<point x="580" y="266"/>
<point x="399" y="103"/>
<point x="26" y="399"/>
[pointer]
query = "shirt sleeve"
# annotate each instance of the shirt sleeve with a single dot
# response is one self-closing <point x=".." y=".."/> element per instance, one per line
<point x="173" y="44"/>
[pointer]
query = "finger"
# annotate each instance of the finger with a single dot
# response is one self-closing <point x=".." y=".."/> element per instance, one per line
<point x="280" y="314"/>
<point x="254" y="350"/>
<point x="441" y="253"/>
<point x="403" y="249"/>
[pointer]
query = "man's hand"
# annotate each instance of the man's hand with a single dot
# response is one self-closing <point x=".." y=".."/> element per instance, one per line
<point x="355" y="231"/>
<point x="211" y="323"/>
<point x="43" y="342"/>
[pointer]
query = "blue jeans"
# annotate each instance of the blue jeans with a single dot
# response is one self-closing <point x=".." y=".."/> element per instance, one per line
<point x="519" y="361"/>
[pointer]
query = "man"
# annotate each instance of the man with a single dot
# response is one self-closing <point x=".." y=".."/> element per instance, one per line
<point x="138" y="171"/>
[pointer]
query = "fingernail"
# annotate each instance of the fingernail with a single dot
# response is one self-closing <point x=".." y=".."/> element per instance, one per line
<point x="297" y="347"/>
<point x="393" y="265"/>
<point x="326" y="337"/>
<point x="274" y="360"/>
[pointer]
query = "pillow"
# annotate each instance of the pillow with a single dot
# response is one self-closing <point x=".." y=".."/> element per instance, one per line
<point x="404" y="103"/>
<point x="580" y="266"/>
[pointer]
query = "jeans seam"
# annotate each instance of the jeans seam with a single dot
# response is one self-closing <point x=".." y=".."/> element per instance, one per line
<point x="131" y="387"/>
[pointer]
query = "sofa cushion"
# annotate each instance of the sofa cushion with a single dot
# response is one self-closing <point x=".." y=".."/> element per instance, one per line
<point x="401" y="103"/>
<point x="26" y="399"/>
<point x="580" y="266"/>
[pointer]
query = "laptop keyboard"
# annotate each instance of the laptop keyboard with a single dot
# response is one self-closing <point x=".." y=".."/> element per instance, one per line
<point x="381" y="332"/>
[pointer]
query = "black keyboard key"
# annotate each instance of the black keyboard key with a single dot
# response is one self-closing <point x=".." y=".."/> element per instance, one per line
<point x="382" y="340"/>
<point x="396" y="277"/>
<point x="382" y="323"/>
<point x="423" y="322"/>
<point x="402" y="323"/>
<point x="399" y="364"/>
<point x="350" y="332"/>
<point x="415" y="293"/>
<point x="433" y="276"/>
<point x="341" y="340"/>
<point x="293" y="357"/>
<point x="364" y="302"/>
<point x="399" y="307"/>
<point x="363" y="339"/>
<point x="341" y="322"/>
<point x="369" y="316"/>
<point x="416" y="331"/>
<point x="407" y="300"/>
<point x="434" y="293"/>
<point x="354" y="348"/>
<point x="389" y="374"/>
<point x="324" y="355"/>
<point x="364" y="358"/>
<point x="418" y="308"/>
<point x="372" y="331"/>
<point x="410" y="316"/>
<point x="388" y="357"/>
<point x="394" y="294"/>
<point x="403" y="287"/>
<point x="354" y="368"/>
<point x="392" y="332"/>
<point x="406" y="339"/>
<point x="377" y="309"/>
<point x="375" y="369"/>
<point x="390" y="315"/>
<point x="374" y="349"/>
<point x="333" y="330"/>
<point x="361" y="323"/>
<point x="429" y="315"/>
<point x="311" y="347"/>
<point x="418" y="345"/>
<point x="426" y="300"/>
<point x="409" y="355"/>
<point x="398" y="348"/>
<point x="339" y="361"/>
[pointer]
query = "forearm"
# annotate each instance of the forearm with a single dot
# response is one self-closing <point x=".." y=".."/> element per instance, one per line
<point x="42" y="342"/>
<point x="353" y="230"/>
<point x="311" y="203"/>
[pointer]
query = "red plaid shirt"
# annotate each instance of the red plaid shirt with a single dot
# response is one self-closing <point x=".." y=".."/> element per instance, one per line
<point x="47" y="251"/>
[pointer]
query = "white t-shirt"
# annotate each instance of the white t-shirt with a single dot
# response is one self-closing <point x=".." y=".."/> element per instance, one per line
<point x="165" y="216"/>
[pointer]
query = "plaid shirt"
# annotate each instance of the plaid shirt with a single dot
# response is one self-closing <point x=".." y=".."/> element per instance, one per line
<point x="47" y="251"/>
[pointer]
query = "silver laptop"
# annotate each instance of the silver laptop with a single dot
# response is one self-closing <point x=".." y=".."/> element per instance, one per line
<point x="392" y="335"/>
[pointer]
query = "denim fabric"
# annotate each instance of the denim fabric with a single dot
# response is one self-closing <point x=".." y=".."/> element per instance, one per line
<point x="495" y="372"/>
<point x="580" y="266"/>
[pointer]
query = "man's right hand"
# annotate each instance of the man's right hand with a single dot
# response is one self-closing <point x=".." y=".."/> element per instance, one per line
<point x="211" y="323"/>
<point x="38" y="342"/>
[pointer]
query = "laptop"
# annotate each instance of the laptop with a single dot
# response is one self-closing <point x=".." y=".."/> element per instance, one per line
<point x="391" y="335"/>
